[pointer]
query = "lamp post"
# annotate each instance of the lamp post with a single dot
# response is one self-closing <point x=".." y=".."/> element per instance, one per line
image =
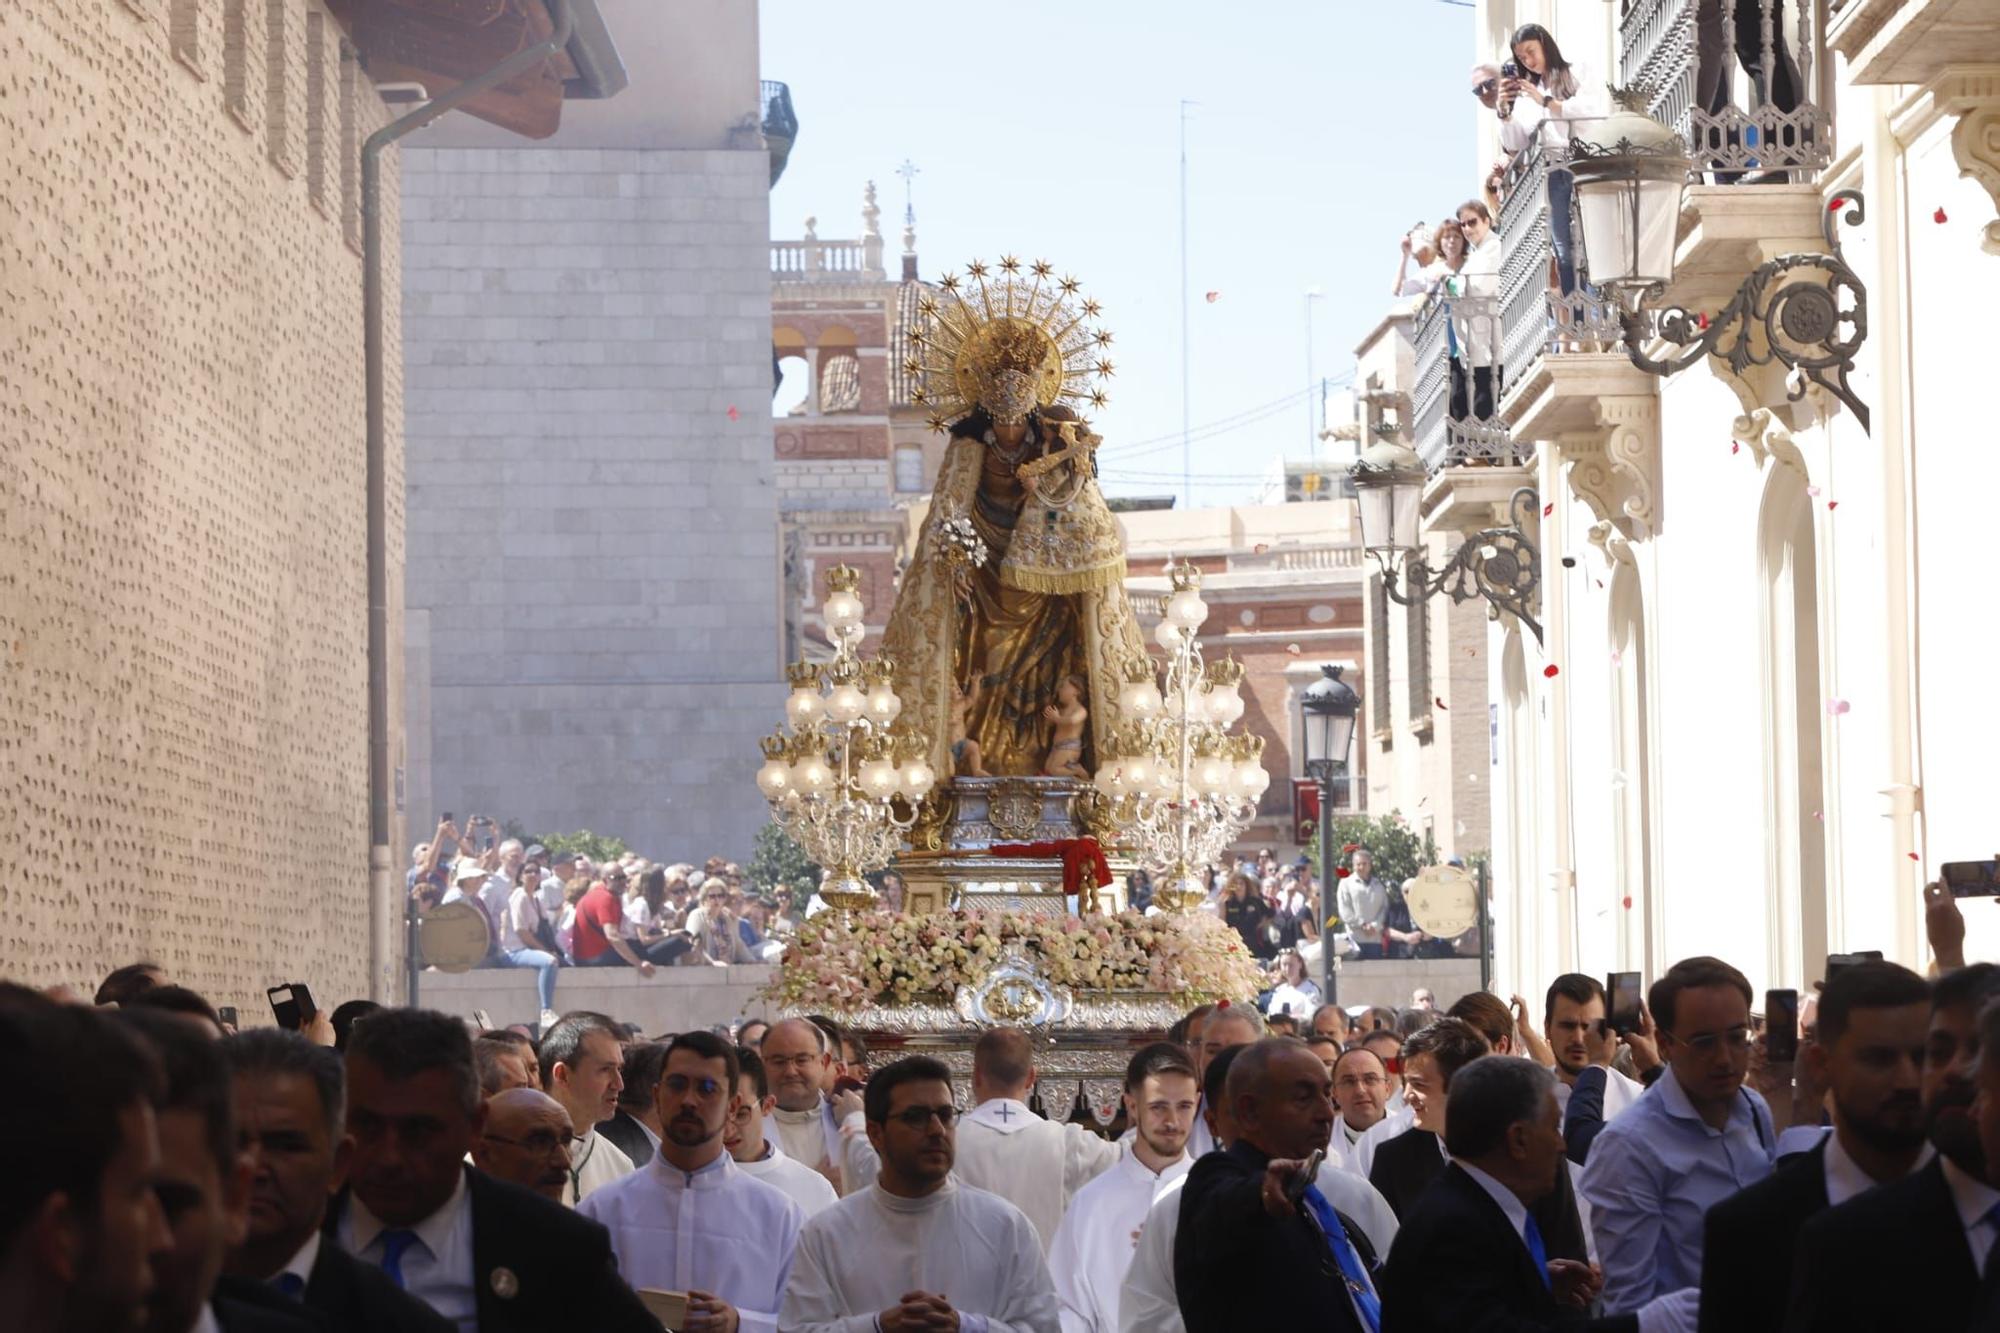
<point x="1330" y="706"/>
<point x="1808" y="312"/>
<point x="1499" y="565"/>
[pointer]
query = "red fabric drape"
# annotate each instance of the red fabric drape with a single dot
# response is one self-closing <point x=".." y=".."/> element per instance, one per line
<point x="1078" y="855"/>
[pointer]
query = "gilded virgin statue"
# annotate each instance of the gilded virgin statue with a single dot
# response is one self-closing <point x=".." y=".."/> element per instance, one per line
<point x="1012" y="625"/>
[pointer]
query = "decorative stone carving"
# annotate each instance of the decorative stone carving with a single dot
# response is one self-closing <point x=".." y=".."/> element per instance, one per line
<point x="1975" y="142"/>
<point x="1768" y="441"/>
<point x="1014" y="994"/>
<point x="1614" y="469"/>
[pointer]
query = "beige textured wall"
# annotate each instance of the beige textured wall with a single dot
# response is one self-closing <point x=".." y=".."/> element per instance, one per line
<point x="183" y="594"/>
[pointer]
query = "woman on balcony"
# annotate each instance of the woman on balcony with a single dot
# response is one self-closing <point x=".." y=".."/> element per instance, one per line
<point x="1550" y="94"/>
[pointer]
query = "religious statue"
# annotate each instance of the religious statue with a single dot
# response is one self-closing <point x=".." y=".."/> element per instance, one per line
<point x="1017" y="583"/>
<point x="964" y="750"/>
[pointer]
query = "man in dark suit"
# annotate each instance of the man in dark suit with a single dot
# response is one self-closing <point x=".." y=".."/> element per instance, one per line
<point x="1915" y="1228"/>
<point x="1258" y="1245"/>
<point x="1406" y="1165"/>
<point x="1868" y="1053"/>
<point x="488" y="1256"/>
<point x="290" y="1099"/>
<point x="1469" y="1254"/>
<point x="629" y="1129"/>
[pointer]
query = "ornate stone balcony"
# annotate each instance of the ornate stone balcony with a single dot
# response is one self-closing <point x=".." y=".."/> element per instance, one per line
<point x="1912" y="41"/>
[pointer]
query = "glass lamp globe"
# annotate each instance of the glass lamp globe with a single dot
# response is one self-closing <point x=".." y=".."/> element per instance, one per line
<point x="883" y="704"/>
<point x="1139" y="773"/>
<point x="774" y="779"/>
<point x="1212" y="775"/>
<point x="1168" y="635"/>
<point x="918" y="778"/>
<point x="1225" y="704"/>
<point x="1251" y="779"/>
<point x="1140" y="698"/>
<point x="811" y="776"/>
<point x="879" y="779"/>
<point x="841" y="609"/>
<point x="846" y="703"/>
<point x="804" y="707"/>
<point x="1186" y="609"/>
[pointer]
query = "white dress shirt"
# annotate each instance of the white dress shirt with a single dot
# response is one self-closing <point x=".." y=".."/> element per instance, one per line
<point x="804" y="1186"/>
<point x="1361" y="1158"/>
<point x="857" y="1258"/>
<point x="437" y="1270"/>
<point x="717" y="1230"/>
<point x="1974" y="1199"/>
<point x="1093" y="1247"/>
<point x="1652" y="1176"/>
<point x="1845" y="1178"/>
<point x="205" y="1321"/>
<point x="301" y="1264"/>
<point x="595" y="1162"/>
<point x="1035" y="1164"/>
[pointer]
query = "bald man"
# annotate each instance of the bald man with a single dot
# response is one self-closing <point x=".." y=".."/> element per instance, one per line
<point x="526" y="1141"/>
<point x="805" y="1124"/>
<point x="1006" y="1149"/>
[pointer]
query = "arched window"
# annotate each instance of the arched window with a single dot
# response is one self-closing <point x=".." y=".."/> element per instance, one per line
<point x="1793" y="781"/>
<point x="791" y="374"/>
<point x="839" y="383"/>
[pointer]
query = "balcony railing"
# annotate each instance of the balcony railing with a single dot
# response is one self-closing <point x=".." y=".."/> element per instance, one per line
<point x="814" y="260"/>
<point x="781" y="124"/>
<point x="1457" y="399"/>
<point x="1681" y="56"/>
<point x="1535" y="318"/>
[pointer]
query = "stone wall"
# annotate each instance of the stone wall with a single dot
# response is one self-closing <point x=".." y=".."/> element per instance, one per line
<point x="592" y="512"/>
<point x="183" y="599"/>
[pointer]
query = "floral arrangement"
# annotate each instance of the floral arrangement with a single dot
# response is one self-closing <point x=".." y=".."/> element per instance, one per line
<point x="888" y="958"/>
<point x="960" y="543"/>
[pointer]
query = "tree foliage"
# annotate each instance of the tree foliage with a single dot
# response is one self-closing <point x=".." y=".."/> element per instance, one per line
<point x="776" y="860"/>
<point x="599" y="847"/>
<point x="1398" y="851"/>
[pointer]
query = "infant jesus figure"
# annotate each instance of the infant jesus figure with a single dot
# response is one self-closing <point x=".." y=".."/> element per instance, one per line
<point x="1068" y="713"/>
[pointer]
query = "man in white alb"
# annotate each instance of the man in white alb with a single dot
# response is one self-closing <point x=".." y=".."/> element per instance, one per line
<point x="1035" y="1164"/>
<point x="1230" y="1025"/>
<point x="692" y="1221"/>
<point x="583" y="1067"/>
<point x="1148" y="1302"/>
<point x="799" y="1061"/>
<point x="743" y="1136"/>
<point x="1093" y="1246"/>
<point x="918" y="1249"/>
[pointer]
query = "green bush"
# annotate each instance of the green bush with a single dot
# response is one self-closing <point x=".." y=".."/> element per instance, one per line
<point x="599" y="847"/>
<point x="1399" y="853"/>
<point x="776" y="859"/>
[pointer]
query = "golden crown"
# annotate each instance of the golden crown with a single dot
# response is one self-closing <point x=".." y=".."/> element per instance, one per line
<point x="1008" y="337"/>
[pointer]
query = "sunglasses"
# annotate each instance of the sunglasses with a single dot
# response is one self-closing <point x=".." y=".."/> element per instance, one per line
<point x="1486" y="89"/>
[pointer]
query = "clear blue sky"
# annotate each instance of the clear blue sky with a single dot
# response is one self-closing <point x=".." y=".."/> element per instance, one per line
<point x="1049" y="129"/>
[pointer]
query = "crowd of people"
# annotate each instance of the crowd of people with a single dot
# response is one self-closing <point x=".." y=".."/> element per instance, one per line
<point x="1482" y="1167"/>
<point x="548" y="910"/>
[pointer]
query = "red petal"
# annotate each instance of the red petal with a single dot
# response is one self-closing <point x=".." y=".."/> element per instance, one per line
<point x="1736" y="447"/>
<point x="1832" y="505"/>
<point x="1833" y="205"/>
<point x="1939" y="217"/>
<point x="1349" y="848"/>
<point x="1701" y="321"/>
<point x="1341" y="872"/>
<point x="1213" y="297"/>
<point x="1435" y="699"/>
<point x="1913" y="856"/>
<point x="1551" y="671"/>
<point x="1548" y="508"/>
<point x="1628" y="900"/>
<point x="734" y="414"/>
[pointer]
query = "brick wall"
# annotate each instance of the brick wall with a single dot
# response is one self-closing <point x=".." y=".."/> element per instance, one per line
<point x="183" y="599"/>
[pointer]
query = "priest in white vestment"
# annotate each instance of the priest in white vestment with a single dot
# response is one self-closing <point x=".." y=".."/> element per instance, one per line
<point x="691" y="1220"/>
<point x="1148" y="1302"/>
<point x="743" y="1138"/>
<point x="1006" y="1149"/>
<point x="806" y="1125"/>
<point x="1360" y="1094"/>
<point x="1229" y="1025"/>
<point x="918" y="1248"/>
<point x="1093" y="1246"/>
<point x="583" y="1067"/>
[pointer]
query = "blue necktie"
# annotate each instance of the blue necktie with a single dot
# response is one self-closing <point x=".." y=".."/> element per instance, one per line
<point x="290" y="1285"/>
<point x="1532" y="1234"/>
<point x="394" y="1245"/>
<point x="1344" y="1254"/>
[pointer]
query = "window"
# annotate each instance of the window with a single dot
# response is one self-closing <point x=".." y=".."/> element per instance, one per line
<point x="1417" y="626"/>
<point x="280" y="92"/>
<point x="1378" y="656"/>
<point x="910" y="468"/>
<point x="840" y="383"/>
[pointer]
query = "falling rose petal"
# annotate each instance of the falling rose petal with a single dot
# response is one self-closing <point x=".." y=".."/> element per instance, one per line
<point x="1701" y="321"/>
<point x="1548" y="508"/>
<point x="1813" y="491"/>
<point x="1837" y="707"/>
<point x="1261" y="547"/>
<point x="1939" y="217"/>
<point x="1341" y="872"/>
<point x="1438" y="701"/>
<point x="1832" y="505"/>
<point x="1736" y="447"/>
<point x="1627" y="900"/>
<point x="1617" y="657"/>
<point x="1551" y="671"/>
<point x="1820" y="817"/>
<point x="1913" y="856"/>
<point x="1569" y="562"/>
<point x="1213" y="297"/>
<point x="1833" y="206"/>
<point x="1349" y="848"/>
<point x="1600" y="583"/>
<point x="734" y="415"/>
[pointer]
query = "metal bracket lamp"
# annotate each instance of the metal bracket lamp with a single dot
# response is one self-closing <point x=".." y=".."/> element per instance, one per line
<point x="1499" y="565"/>
<point x="1629" y="182"/>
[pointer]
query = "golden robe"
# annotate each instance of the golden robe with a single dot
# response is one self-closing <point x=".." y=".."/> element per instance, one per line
<point x="1049" y="602"/>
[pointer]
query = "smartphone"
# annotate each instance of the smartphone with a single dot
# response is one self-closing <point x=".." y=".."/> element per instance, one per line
<point x="1295" y="1188"/>
<point x="285" y="1008"/>
<point x="1621" y="1002"/>
<point x="483" y="1020"/>
<point x="669" y="1307"/>
<point x="227" y="1013"/>
<point x="1781" y="1026"/>
<point x="1837" y="962"/>
<point x="1510" y="70"/>
<point x="447" y="819"/>
<point x="1971" y="879"/>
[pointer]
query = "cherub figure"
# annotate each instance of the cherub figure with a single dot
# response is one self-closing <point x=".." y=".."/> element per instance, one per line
<point x="1068" y="713"/>
<point x="965" y="758"/>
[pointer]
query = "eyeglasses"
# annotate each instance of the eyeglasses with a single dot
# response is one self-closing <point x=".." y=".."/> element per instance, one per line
<point x="919" y="1117"/>
<point x="544" y="1141"/>
<point x="1362" y="1081"/>
<point x="1486" y="89"/>
<point x="1737" y="1039"/>
<point x="681" y="1084"/>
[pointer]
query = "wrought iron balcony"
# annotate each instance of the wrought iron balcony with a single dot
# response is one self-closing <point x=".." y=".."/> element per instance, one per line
<point x="1682" y="57"/>
<point x="1457" y="344"/>
<point x="781" y="125"/>
<point x="1536" y="319"/>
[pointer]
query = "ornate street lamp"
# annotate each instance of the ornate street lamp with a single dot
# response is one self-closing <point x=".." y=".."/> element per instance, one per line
<point x="1630" y="171"/>
<point x="1330" y="705"/>
<point x="1499" y="565"/>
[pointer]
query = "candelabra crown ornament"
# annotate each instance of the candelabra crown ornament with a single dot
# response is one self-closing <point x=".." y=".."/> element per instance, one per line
<point x="840" y="784"/>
